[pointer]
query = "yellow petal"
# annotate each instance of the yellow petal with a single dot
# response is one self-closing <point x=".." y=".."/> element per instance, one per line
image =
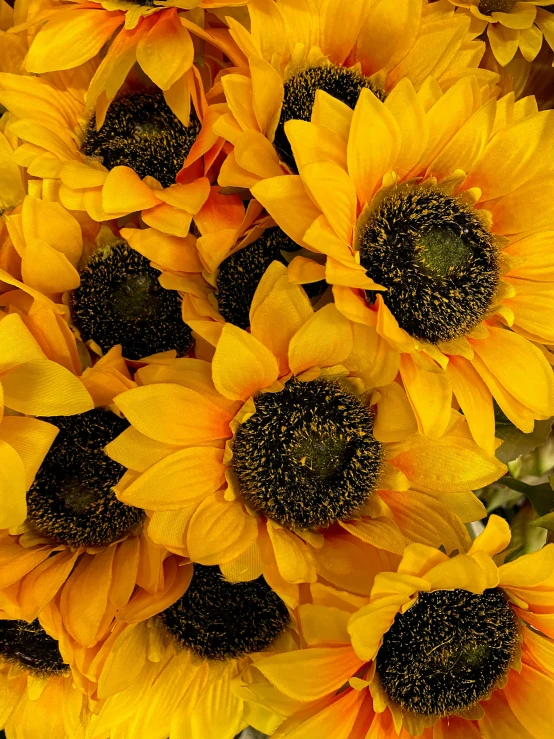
<point x="377" y="50"/>
<point x="324" y="670"/>
<point x="467" y="573"/>
<point x="31" y="439"/>
<point x="125" y="192"/>
<point x="368" y="625"/>
<point x="51" y="223"/>
<point x="525" y="695"/>
<point x="13" y="506"/>
<point x="44" y="388"/>
<point x="276" y="296"/>
<point x="337" y="37"/>
<point x="293" y="556"/>
<point x="267" y="95"/>
<point x="17" y="344"/>
<point x="323" y="341"/>
<point x="70" y="38"/>
<point x="409" y="113"/>
<point x="165" y="51"/>
<point x="219" y="531"/>
<point x="47" y="269"/>
<point x="475" y="401"/>
<point x="504" y="42"/>
<point x="334" y="192"/>
<point x="173" y="414"/>
<point x="373" y="144"/>
<point x="395" y="419"/>
<point x="520" y="367"/>
<point x="494" y="539"/>
<point x="429" y="392"/>
<point x="177" y="480"/>
<point x="242" y="365"/>
<point x="333" y="115"/>
<point x="277" y="193"/>
<point x="311" y="143"/>
<point x="448" y="465"/>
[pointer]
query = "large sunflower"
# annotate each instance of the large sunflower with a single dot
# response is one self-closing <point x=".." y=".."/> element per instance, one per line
<point x="418" y="195"/>
<point x="253" y="461"/>
<point x="294" y="49"/>
<point x="444" y="648"/>
<point x="510" y="25"/>
<point x="131" y="163"/>
<point x="171" y="675"/>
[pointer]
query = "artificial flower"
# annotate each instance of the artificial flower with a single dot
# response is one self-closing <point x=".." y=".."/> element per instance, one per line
<point x="443" y="648"/>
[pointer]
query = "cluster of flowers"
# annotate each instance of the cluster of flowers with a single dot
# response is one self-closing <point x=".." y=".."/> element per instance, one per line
<point x="272" y="273"/>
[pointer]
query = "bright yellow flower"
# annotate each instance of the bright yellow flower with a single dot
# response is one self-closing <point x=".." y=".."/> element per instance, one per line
<point x="294" y="49"/>
<point x="171" y="675"/>
<point x="131" y="164"/>
<point x="421" y="206"/>
<point x="510" y="25"/>
<point x="444" y="648"/>
<point x="156" y="37"/>
<point x="38" y="695"/>
<point x="207" y="440"/>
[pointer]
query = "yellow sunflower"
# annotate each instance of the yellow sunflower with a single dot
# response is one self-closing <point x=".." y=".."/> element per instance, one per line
<point x="171" y="675"/>
<point x="444" y="648"/>
<point x="38" y="695"/>
<point x="294" y="49"/>
<point x="78" y="543"/>
<point x="510" y="25"/>
<point x="157" y="37"/>
<point x="131" y="163"/>
<point x="222" y="457"/>
<point x="421" y="208"/>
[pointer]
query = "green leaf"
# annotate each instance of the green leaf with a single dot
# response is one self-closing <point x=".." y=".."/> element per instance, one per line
<point x="515" y="442"/>
<point x="541" y="496"/>
<point x="545" y="522"/>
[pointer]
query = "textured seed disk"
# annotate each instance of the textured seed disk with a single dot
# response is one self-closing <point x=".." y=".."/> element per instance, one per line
<point x="436" y="259"/>
<point x="448" y="651"/>
<point x="341" y="82"/>
<point x="307" y="457"/>
<point x="219" y="620"/>
<point x="140" y="131"/>
<point x="71" y="499"/>
<point x="28" y="645"/>
<point x="488" y="7"/>
<point x="120" y="301"/>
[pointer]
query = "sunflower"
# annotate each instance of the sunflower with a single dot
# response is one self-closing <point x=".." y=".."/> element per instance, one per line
<point x="429" y="239"/>
<point x="78" y="543"/>
<point x="510" y="25"/>
<point x="444" y="647"/>
<point x="155" y="36"/>
<point x="130" y="164"/>
<point x="12" y="185"/>
<point x="295" y="49"/>
<point x="38" y="694"/>
<point x="171" y="674"/>
<point x="252" y="461"/>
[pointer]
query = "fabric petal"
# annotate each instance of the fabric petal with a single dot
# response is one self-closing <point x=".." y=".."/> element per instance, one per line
<point x="323" y="341"/>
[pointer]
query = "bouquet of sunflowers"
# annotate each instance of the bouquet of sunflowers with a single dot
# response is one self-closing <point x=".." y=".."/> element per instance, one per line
<point x="276" y="369"/>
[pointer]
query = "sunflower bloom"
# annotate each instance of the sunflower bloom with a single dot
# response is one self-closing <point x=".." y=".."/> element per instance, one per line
<point x="130" y="164"/>
<point x="295" y="49"/>
<point x="444" y="647"/>
<point x="510" y="25"/>
<point x="427" y="238"/>
<point x="185" y="659"/>
<point x="204" y="460"/>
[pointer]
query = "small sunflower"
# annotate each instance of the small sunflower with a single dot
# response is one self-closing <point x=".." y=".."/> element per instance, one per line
<point x="445" y="647"/>
<point x="295" y="49"/>
<point x="510" y="25"/>
<point x="183" y="661"/>
<point x="39" y="696"/>
<point x="156" y="36"/>
<point x="253" y="460"/>
<point x="80" y="544"/>
<point x="429" y="238"/>
<point x="129" y="163"/>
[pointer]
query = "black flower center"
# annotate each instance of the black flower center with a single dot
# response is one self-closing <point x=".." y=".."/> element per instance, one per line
<point x="240" y="274"/>
<point x="436" y="259"/>
<point x="307" y="457"/>
<point x="488" y="7"/>
<point x="341" y="82"/>
<point x="140" y="131"/>
<point x="28" y="645"/>
<point x="120" y="301"/>
<point x="71" y="499"/>
<point x="220" y="620"/>
<point x="448" y="651"/>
